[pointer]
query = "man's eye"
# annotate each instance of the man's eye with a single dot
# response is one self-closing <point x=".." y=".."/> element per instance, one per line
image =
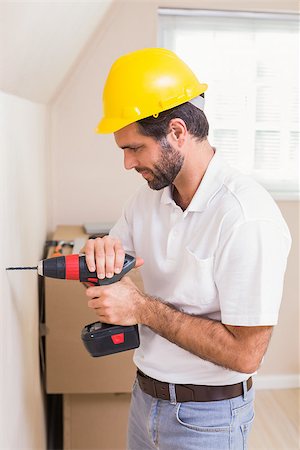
<point x="136" y="149"/>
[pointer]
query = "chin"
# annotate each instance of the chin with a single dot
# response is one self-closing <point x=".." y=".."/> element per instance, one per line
<point x="157" y="187"/>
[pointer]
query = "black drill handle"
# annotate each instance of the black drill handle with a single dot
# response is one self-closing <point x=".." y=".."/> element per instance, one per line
<point x="91" y="277"/>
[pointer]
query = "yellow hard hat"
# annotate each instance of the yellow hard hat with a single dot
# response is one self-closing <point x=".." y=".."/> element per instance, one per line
<point x="144" y="83"/>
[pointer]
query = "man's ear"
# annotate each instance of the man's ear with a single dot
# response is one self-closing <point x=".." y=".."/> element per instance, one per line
<point x="177" y="131"/>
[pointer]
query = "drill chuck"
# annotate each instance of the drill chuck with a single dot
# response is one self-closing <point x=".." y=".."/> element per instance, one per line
<point x="40" y="268"/>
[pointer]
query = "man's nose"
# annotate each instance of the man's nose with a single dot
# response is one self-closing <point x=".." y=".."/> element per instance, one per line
<point x="130" y="161"/>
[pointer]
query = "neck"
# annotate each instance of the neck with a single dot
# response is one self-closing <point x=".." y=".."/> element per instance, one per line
<point x="188" y="180"/>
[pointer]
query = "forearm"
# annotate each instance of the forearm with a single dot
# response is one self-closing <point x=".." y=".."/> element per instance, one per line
<point x="206" y="338"/>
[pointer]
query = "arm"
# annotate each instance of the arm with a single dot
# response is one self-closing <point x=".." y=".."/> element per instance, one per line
<point x="236" y="348"/>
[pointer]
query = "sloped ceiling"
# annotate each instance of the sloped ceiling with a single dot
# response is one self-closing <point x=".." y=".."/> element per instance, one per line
<point x="40" y="41"/>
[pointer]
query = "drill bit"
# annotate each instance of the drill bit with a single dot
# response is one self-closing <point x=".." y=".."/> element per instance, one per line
<point x="21" y="268"/>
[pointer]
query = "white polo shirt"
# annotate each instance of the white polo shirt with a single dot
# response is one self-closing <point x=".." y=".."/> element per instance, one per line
<point x="224" y="258"/>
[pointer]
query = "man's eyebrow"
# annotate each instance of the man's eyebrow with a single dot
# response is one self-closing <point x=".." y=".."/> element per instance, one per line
<point x="130" y="146"/>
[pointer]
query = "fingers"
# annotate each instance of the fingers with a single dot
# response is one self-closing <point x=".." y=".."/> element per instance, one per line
<point x="115" y="303"/>
<point x="139" y="262"/>
<point x="119" y="256"/>
<point x="105" y="255"/>
<point x="89" y="255"/>
<point x="99" y="257"/>
<point x="99" y="303"/>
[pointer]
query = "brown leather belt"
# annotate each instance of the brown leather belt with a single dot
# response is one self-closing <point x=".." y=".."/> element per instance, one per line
<point x="190" y="392"/>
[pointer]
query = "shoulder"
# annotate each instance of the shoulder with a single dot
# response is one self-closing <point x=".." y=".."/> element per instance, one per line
<point x="242" y="200"/>
<point x="250" y="198"/>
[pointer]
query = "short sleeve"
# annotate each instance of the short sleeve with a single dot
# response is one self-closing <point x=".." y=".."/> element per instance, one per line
<point x="249" y="270"/>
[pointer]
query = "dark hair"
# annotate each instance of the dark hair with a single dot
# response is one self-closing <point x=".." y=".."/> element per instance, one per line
<point x="158" y="128"/>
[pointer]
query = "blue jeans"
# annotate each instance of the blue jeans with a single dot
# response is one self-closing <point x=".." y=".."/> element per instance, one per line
<point x="167" y="425"/>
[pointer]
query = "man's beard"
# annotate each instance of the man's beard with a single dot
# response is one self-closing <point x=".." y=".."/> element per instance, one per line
<point x="166" y="169"/>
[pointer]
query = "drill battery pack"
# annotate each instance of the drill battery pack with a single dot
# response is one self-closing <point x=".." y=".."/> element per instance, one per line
<point x="101" y="339"/>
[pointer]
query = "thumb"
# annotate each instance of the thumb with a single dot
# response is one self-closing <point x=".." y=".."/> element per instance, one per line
<point x="138" y="262"/>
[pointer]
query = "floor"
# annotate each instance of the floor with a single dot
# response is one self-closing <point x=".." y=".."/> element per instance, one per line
<point x="277" y="417"/>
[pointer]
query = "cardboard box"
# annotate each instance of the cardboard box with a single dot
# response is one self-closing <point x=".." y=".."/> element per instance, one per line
<point x="95" y="421"/>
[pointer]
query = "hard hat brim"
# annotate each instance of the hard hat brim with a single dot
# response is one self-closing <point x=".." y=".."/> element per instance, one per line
<point x="106" y="125"/>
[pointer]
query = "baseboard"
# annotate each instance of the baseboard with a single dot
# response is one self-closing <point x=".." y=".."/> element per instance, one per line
<point x="277" y="381"/>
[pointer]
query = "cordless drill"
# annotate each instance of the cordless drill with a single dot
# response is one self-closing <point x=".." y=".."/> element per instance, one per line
<point x="99" y="338"/>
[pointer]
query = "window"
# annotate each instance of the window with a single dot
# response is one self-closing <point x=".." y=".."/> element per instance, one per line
<point x="250" y="62"/>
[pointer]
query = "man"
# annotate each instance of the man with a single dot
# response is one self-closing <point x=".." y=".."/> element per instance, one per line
<point x="214" y="248"/>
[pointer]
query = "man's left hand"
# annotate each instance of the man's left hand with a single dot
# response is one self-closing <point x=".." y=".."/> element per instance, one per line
<point x="118" y="303"/>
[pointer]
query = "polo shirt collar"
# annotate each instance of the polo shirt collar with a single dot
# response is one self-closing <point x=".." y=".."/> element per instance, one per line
<point x="211" y="183"/>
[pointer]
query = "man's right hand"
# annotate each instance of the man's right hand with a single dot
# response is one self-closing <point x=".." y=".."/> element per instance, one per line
<point x="106" y="256"/>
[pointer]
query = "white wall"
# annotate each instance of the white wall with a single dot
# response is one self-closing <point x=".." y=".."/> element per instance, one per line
<point x="89" y="182"/>
<point x="41" y="40"/>
<point x="23" y="223"/>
